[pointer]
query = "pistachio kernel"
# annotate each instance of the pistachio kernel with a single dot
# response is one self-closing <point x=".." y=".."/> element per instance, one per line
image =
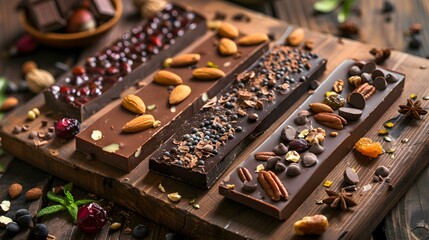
<point x="36" y="111"/>
<point x="151" y="107"/>
<point x="31" y="115"/>
<point x="111" y="148"/>
<point x="382" y="132"/>
<point x="333" y="134"/>
<point x="330" y="93"/>
<point x="405" y="140"/>
<point x="230" y="186"/>
<point x="387" y="139"/>
<point x="161" y="188"/>
<point x="389" y="125"/>
<point x="196" y="206"/>
<point x="327" y="183"/>
<point x="413" y="96"/>
<point x="174" y="197"/>
<point x="259" y="168"/>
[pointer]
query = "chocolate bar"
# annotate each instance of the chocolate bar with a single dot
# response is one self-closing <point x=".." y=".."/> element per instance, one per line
<point x="66" y="7"/>
<point x="129" y="59"/>
<point x="137" y="146"/>
<point x="45" y="15"/>
<point x="200" y="151"/>
<point x="301" y="156"/>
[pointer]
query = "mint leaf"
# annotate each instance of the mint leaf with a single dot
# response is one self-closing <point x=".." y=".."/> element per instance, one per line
<point x="84" y="201"/>
<point x="326" y="6"/>
<point x="72" y="208"/>
<point x="55" y="198"/>
<point x="345" y="11"/>
<point x="69" y="198"/>
<point x="3" y="84"/>
<point x="50" y="210"/>
<point x="68" y="188"/>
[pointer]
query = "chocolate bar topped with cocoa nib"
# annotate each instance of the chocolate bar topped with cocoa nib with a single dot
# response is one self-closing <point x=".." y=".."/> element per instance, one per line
<point x="200" y="151"/>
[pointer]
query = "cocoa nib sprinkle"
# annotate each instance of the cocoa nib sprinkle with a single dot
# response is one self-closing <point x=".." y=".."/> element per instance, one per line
<point x="380" y="54"/>
<point x="225" y="116"/>
<point x="412" y="109"/>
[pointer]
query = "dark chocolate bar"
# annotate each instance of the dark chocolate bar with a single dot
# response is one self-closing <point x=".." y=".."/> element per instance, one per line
<point x="66" y="7"/>
<point x="135" y="147"/>
<point x="102" y="9"/>
<point x="131" y="58"/>
<point x="200" y="151"/>
<point x="309" y="162"/>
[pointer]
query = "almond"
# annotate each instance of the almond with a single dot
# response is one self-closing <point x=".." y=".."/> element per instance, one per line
<point x="295" y="37"/>
<point x="9" y="103"/>
<point x="182" y="60"/>
<point x="253" y="39"/>
<point x="15" y="190"/>
<point x="206" y="73"/>
<point x="227" y="47"/>
<point x="227" y="30"/>
<point x="33" y="194"/>
<point x="179" y="94"/>
<point x="167" y="78"/>
<point x="134" y="104"/>
<point x="139" y="123"/>
<point x="320" y="107"/>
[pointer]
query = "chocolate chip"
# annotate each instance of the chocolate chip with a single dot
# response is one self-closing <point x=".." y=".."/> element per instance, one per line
<point x="280" y="149"/>
<point x="17" y="129"/>
<point x="301" y="120"/>
<point x="366" y="77"/>
<point x="293" y="169"/>
<point x="280" y="167"/>
<point x="369" y="67"/>
<point x="288" y="134"/>
<point x="414" y="42"/>
<point x="382" y="171"/>
<point x="376" y="73"/>
<point x="380" y="83"/>
<point x="309" y="159"/>
<point x="388" y="7"/>
<point x="316" y="148"/>
<point x="350" y="176"/>
<point x="32" y="135"/>
<point x="391" y="78"/>
<point x="357" y="100"/>
<point x="249" y="187"/>
<point x="355" y="71"/>
<point x="351" y="114"/>
<point x="272" y="161"/>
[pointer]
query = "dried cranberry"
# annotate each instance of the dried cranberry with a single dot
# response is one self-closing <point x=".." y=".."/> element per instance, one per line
<point x="91" y="218"/>
<point x="299" y="145"/>
<point x="67" y="128"/>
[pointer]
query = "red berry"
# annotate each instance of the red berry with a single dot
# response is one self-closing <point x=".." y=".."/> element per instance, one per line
<point x="67" y="128"/>
<point x="91" y="218"/>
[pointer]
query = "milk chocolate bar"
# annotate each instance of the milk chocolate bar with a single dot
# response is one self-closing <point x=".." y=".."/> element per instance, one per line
<point x="200" y="151"/>
<point x="129" y="59"/>
<point x="301" y="152"/>
<point x="135" y="147"/>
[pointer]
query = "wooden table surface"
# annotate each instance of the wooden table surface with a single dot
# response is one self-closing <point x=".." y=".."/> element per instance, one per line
<point x="46" y="57"/>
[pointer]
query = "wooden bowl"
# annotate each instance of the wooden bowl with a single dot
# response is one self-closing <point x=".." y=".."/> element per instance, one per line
<point x="71" y="39"/>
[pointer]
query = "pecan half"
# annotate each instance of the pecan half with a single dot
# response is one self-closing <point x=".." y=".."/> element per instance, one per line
<point x="272" y="185"/>
<point x="331" y="120"/>
<point x="244" y="174"/>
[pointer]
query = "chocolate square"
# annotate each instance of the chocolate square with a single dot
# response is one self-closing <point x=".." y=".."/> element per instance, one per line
<point x="102" y="9"/>
<point x="45" y="15"/>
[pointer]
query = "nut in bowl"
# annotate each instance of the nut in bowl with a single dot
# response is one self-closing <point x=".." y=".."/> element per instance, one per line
<point x="45" y="35"/>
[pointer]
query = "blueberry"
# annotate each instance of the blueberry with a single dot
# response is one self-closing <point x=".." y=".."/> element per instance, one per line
<point x="25" y="221"/>
<point x="12" y="229"/>
<point x="140" y="231"/>
<point x="40" y="232"/>
<point x="21" y="212"/>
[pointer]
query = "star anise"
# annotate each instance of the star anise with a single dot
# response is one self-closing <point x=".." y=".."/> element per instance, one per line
<point x="412" y="109"/>
<point x="341" y="200"/>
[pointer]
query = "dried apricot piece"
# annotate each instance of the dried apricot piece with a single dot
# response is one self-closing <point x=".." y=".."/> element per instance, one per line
<point x="369" y="148"/>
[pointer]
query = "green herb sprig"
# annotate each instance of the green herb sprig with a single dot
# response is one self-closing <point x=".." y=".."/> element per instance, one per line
<point x="65" y="203"/>
<point x="327" y="6"/>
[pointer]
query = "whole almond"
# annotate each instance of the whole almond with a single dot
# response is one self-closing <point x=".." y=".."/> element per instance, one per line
<point x="167" y="78"/>
<point x="33" y="194"/>
<point x="295" y="37"/>
<point x="139" y="123"/>
<point x="134" y="104"/>
<point x="320" y="107"/>
<point x="253" y="39"/>
<point x="227" y="47"/>
<point x="179" y="94"/>
<point x="9" y="103"/>
<point x="182" y="60"/>
<point x="206" y="73"/>
<point x="15" y="190"/>
<point x="227" y="30"/>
